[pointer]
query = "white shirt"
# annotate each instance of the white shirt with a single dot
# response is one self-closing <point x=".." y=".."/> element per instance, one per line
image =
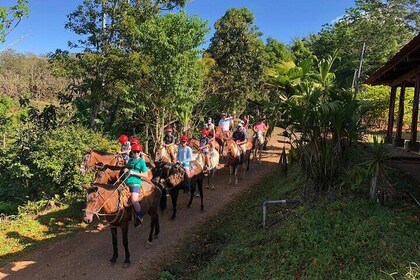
<point x="225" y="123"/>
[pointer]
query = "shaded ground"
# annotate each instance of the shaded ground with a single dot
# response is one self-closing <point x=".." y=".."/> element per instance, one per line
<point x="86" y="254"/>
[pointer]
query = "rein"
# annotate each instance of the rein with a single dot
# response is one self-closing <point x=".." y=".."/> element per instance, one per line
<point x="97" y="212"/>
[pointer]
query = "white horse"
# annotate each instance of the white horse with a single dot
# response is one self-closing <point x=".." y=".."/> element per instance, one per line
<point x="212" y="168"/>
<point x="258" y="142"/>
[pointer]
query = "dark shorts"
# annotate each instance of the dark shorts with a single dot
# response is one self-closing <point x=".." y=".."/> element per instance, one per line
<point x="134" y="188"/>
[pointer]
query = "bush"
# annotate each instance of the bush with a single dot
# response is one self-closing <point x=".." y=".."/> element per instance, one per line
<point x="49" y="165"/>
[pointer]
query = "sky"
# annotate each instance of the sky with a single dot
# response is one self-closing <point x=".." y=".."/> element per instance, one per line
<point x="285" y="20"/>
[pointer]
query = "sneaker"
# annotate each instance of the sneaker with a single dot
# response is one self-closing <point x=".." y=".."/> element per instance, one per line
<point x="138" y="222"/>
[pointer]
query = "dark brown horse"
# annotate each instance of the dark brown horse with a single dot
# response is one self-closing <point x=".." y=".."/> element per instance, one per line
<point x="104" y="200"/>
<point x="173" y="177"/>
<point x="235" y="159"/>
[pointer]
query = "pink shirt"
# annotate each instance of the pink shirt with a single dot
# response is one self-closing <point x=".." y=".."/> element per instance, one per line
<point x="260" y="127"/>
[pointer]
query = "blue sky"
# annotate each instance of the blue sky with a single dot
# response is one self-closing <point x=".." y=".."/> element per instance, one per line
<point x="283" y="20"/>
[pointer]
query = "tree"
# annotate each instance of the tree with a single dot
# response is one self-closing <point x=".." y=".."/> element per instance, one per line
<point x="384" y="26"/>
<point x="238" y="52"/>
<point x="11" y="16"/>
<point x="108" y="61"/>
<point x="276" y="52"/>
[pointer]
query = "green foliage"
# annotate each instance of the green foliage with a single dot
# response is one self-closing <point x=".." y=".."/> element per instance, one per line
<point x="276" y="52"/>
<point x="369" y="22"/>
<point x="11" y="16"/>
<point x="347" y="239"/>
<point x="238" y="52"/>
<point x="44" y="159"/>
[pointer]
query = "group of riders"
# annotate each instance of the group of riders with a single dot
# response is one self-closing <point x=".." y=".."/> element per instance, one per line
<point x="136" y="170"/>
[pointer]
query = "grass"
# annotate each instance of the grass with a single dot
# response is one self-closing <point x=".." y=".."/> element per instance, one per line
<point x="28" y="232"/>
<point x="343" y="239"/>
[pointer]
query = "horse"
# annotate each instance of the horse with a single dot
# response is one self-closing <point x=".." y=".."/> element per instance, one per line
<point x="214" y="162"/>
<point x="92" y="157"/>
<point x="173" y="177"/>
<point x="257" y="144"/>
<point x="233" y="152"/>
<point x="162" y="154"/>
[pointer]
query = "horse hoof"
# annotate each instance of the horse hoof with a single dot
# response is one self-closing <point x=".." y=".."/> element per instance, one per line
<point x="148" y="244"/>
<point x="126" y="264"/>
<point x="188" y="206"/>
<point x="156" y="237"/>
<point x="202" y="210"/>
<point x="113" y="260"/>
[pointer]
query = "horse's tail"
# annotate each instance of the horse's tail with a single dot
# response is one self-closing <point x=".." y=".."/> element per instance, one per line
<point x="163" y="199"/>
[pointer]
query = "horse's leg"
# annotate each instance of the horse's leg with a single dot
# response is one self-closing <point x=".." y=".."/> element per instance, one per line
<point x="236" y="173"/>
<point x="114" y="245"/>
<point x="200" y="189"/>
<point x="157" y="226"/>
<point x="124" y="230"/>
<point x="247" y="164"/>
<point x="231" y="170"/>
<point x="152" y="227"/>
<point x="174" y="196"/>
<point x="213" y="171"/>
<point x="193" y="182"/>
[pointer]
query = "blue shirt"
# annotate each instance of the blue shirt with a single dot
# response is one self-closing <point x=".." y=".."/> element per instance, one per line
<point x="184" y="154"/>
<point x="240" y="135"/>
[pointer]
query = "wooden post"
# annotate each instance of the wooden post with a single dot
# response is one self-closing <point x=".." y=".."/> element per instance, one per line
<point x="398" y="138"/>
<point x="415" y="115"/>
<point x="391" y="112"/>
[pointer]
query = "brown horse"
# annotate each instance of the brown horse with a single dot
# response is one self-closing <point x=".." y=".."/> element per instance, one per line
<point x="104" y="200"/>
<point x="236" y="158"/>
<point x="173" y="177"/>
<point x="215" y="144"/>
<point x="91" y="158"/>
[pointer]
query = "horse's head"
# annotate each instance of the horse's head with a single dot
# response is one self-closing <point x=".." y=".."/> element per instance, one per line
<point x="229" y="147"/>
<point x="87" y="163"/>
<point x="176" y="176"/>
<point x="260" y="137"/>
<point x="93" y="203"/>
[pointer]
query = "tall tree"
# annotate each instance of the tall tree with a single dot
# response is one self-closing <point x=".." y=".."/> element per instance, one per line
<point x="11" y="16"/>
<point x="276" y="52"/>
<point x="105" y="29"/>
<point x="238" y="52"/>
<point x="384" y="26"/>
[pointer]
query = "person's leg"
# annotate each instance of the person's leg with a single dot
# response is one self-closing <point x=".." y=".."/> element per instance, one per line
<point x="136" y="205"/>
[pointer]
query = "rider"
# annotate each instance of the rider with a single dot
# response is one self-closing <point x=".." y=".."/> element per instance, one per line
<point x="168" y="140"/>
<point x="125" y="148"/>
<point x="210" y="127"/>
<point x="224" y="123"/>
<point x="184" y="156"/>
<point x="205" y="145"/>
<point x="137" y="171"/>
<point x="240" y="137"/>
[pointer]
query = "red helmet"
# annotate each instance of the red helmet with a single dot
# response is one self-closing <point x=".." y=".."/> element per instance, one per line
<point x="205" y="132"/>
<point x="137" y="147"/>
<point x="169" y="129"/>
<point x="134" y="140"/>
<point x="184" y="138"/>
<point x="123" y="138"/>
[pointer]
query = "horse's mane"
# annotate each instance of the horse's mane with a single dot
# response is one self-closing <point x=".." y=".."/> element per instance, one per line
<point x="102" y="153"/>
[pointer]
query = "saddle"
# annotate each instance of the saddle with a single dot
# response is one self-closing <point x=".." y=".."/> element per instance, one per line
<point x="146" y="190"/>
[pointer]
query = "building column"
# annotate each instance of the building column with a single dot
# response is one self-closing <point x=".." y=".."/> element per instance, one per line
<point x="398" y="139"/>
<point x="415" y="115"/>
<point x="391" y="113"/>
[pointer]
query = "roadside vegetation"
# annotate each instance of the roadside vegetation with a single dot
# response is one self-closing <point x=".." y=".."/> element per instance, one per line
<point x="346" y="237"/>
<point x="133" y="73"/>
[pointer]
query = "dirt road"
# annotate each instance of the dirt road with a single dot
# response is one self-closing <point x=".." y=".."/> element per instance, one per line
<point x="86" y="254"/>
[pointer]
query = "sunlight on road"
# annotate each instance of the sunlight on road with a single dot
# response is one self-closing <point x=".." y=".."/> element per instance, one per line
<point x="14" y="267"/>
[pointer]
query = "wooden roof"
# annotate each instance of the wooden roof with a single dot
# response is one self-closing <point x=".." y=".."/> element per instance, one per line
<point x="402" y="67"/>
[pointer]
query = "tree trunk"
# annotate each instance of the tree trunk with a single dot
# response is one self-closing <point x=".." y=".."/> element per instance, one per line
<point x="93" y="115"/>
<point x="146" y="144"/>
